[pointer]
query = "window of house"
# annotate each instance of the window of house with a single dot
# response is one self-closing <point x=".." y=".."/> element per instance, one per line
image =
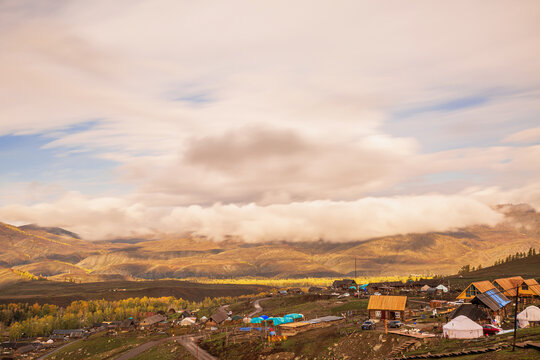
<point x="524" y="287"/>
<point x="397" y="314"/>
<point x="378" y="313"/>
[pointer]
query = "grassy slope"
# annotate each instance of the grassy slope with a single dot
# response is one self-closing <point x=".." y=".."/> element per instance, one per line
<point x="167" y="351"/>
<point x="100" y="346"/>
<point x="436" y="346"/>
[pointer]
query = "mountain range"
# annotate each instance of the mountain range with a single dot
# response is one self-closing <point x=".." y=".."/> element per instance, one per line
<point x="58" y="254"/>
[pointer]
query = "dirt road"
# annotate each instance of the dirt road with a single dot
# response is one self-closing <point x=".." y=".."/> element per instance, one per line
<point x="257" y="306"/>
<point x="187" y="341"/>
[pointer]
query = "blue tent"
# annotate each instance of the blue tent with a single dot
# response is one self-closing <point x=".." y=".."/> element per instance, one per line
<point x="264" y="317"/>
<point x="294" y="316"/>
<point x="256" y="320"/>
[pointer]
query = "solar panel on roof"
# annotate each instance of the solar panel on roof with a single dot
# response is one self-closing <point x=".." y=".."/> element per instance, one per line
<point x="493" y="294"/>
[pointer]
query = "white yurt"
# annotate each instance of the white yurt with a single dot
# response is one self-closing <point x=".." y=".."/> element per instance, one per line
<point x="462" y="328"/>
<point x="531" y="313"/>
<point x="442" y="288"/>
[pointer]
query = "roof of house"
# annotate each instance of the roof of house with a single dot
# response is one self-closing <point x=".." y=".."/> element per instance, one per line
<point x="328" y="318"/>
<point x="380" y="302"/>
<point x="294" y="325"/>
<point x="482" y="286"/>
<point x="493" y="299"/>
<point x="344" y="282"/>
<point x="219" y="316"/>
<point x="154" y="319"/>
<point x="127" y="323"/>
<point x="509" y="284"/>
<point x="533" y="286"/>
<point x="472" y="311"/>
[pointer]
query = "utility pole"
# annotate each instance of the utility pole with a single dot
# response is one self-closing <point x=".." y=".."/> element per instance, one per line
<point x="515" y="318"/>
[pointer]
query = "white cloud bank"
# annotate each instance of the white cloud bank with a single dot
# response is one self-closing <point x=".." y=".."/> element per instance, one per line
<point x="335" y="221"/>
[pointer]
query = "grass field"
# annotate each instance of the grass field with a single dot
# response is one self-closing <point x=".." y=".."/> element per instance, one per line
<point x="506" y="354"/>
<point x="100" y="346"/>
<point x="303" y="282"/>
<point x="63" y="293"/>
<point x="437" y="346"/>
<point x="167" y="351"/>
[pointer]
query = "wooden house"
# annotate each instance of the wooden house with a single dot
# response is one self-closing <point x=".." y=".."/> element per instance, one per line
<point x="508" y="286"/>
<point x="152" y="320"/>
<point x="382" y="307"/>
<point x="476" y="288"/>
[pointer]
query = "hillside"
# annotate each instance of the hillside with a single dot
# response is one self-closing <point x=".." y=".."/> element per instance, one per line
<point x="23" y="245"/>
<point x="61" y="255"/>
<point x="528" y="267"/>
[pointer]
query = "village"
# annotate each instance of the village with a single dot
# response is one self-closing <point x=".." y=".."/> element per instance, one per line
<point x="377" y="320"/>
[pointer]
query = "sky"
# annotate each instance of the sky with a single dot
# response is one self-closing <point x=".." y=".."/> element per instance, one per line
<point x="310" y="120"/>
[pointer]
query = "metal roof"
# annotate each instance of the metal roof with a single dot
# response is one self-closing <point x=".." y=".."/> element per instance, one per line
<point x="493" y="299"/>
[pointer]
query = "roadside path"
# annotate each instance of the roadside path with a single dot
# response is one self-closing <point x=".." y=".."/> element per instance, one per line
<point x="42" y="357"/>
<point x="258" y="307"/>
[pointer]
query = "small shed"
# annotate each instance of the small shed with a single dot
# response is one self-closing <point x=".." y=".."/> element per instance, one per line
<point x="462" y="328"/>
<point x="387" y="307"/>
<point x="425" y="288"/>
<point x="219" y="316"/>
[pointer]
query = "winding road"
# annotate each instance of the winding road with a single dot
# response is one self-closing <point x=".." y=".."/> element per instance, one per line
<point x="257" y="306"/>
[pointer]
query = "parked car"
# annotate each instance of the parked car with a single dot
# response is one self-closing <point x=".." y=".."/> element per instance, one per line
<point x="368" y="325"/>
<point x="490" y="330"/>
<point x="343" y="295"/>
<point x="395" y="324"/>
<point x="377" y="293"/>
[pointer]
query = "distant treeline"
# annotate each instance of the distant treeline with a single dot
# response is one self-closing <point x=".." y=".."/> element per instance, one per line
<point x="25" y="320"/>
<point x="518" y="255"/>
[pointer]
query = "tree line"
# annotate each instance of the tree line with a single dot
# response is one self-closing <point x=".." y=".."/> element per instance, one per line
<point x="518" y="255"/>
<point x="25" y="320"/>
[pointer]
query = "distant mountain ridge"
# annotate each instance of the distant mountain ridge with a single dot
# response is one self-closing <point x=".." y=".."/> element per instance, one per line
<point x="59" y="254"/>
